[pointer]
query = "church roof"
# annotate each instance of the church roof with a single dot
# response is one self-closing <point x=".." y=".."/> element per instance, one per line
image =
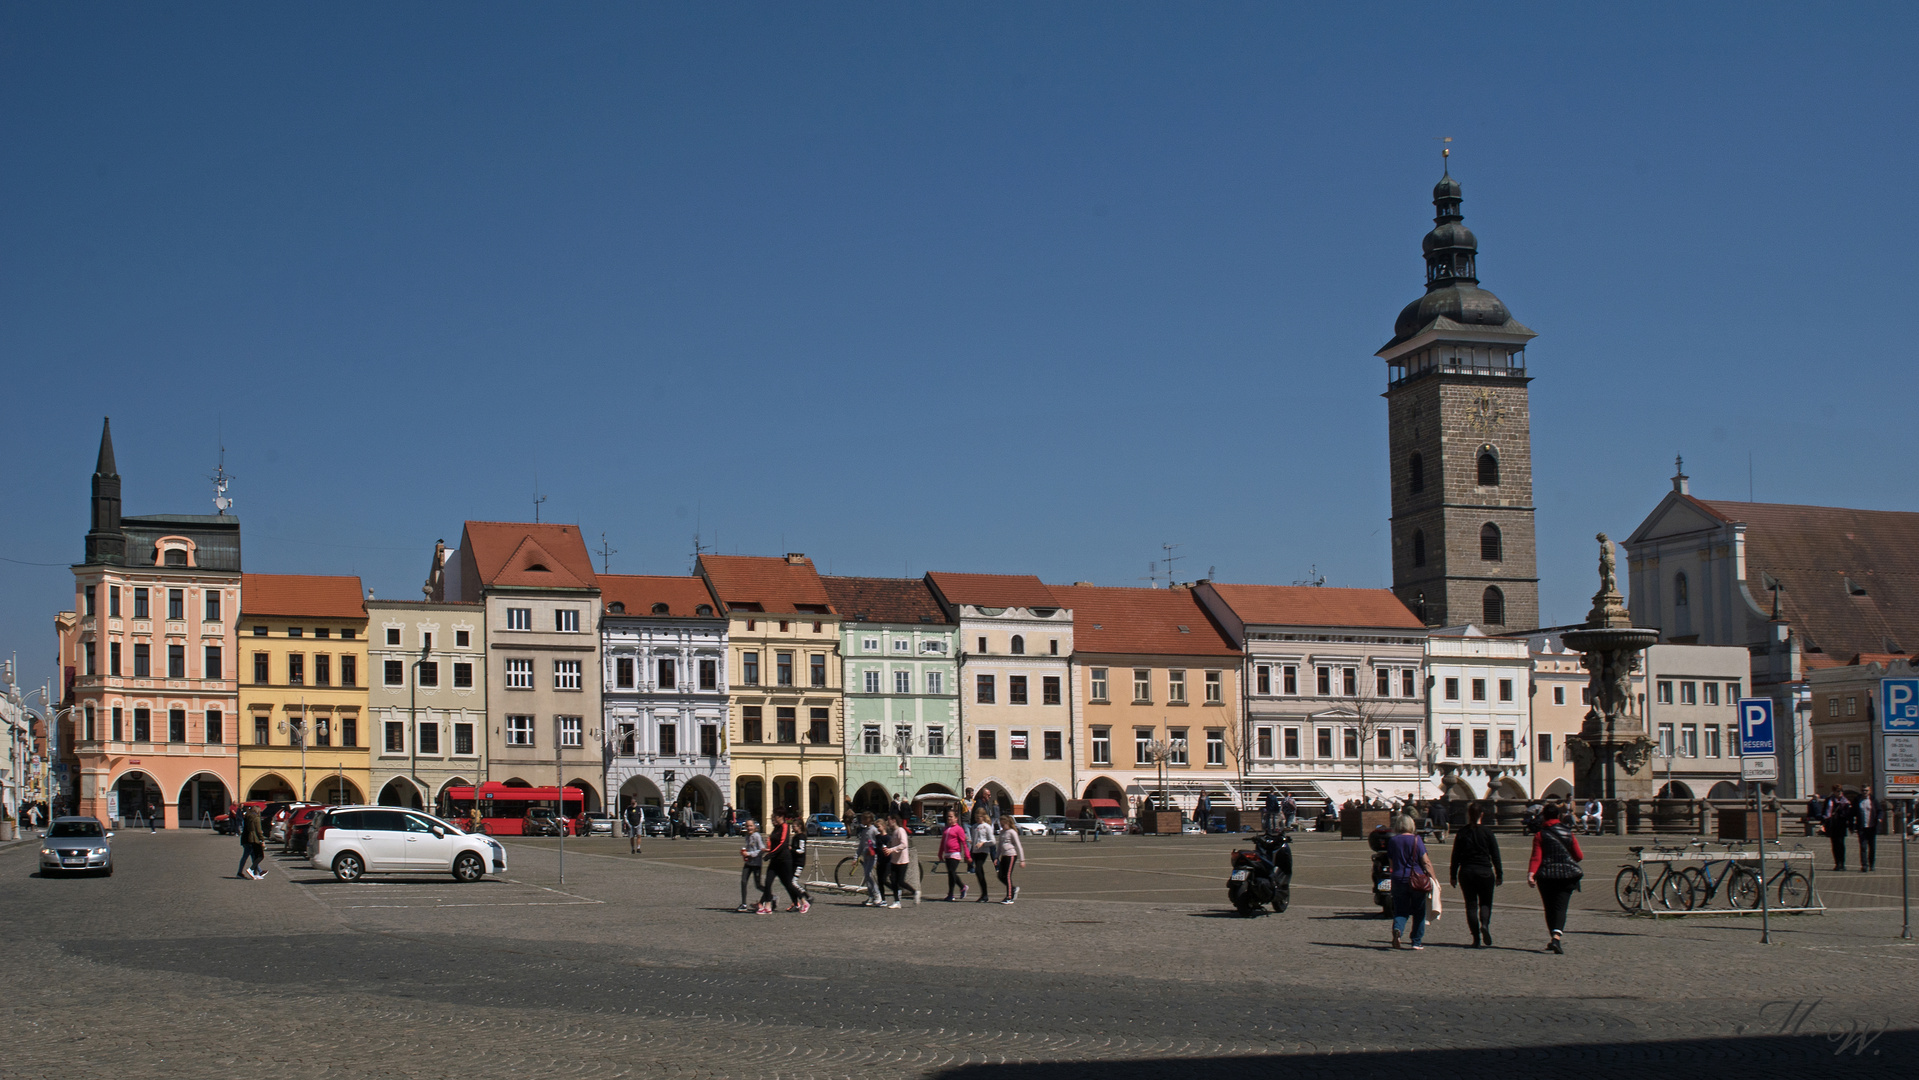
<point x="1849" y="579"/>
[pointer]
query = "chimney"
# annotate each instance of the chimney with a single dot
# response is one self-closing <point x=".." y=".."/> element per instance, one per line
<point x="795" y="558"/>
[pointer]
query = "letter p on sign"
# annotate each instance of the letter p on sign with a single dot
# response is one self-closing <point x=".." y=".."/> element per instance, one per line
<point x="1755" y="727"/>
<point x="1899" y="706"/>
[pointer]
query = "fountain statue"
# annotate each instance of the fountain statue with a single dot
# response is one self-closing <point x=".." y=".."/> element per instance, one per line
<point x="1611" y="752"/>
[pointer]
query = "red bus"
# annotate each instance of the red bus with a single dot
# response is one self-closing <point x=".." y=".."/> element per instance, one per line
<point x="503" y="807"/>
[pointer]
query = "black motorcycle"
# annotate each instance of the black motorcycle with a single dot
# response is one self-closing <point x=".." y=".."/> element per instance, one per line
<point x="1263" y="875"/>
<point x="1382" y="875"/>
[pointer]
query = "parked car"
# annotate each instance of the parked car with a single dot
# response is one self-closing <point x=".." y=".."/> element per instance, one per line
<point x="654" y="822"/>
<point x="353" y="841"/>
<point x="1192" y="828"/>
<point x="825" y="823"/>
<point x="76" y="845"/>
<point x="600" y="823"/>
<point x="298" y="824"/>
<point x="699" y="826"/>
<point x="1056" y="824"/>
<point x="1028" y="825"/>
<point x="544" y="821"/>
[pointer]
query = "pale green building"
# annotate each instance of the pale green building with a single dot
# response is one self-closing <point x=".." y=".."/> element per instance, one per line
<point x="902" y="704"/>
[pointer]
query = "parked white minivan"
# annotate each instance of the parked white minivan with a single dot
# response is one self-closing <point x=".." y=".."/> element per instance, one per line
<point x="353" y="841"/>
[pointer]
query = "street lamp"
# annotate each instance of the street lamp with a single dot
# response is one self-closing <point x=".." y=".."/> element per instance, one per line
<point x="1161" y="751"/>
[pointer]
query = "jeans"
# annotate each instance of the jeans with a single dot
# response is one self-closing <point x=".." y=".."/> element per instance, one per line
<point x="954" y="885"/>
<point x="1868" y="847"/>
<point x="1477" y="891"/>
<point x="980" y="858"/>
<point x="868" y="864"/>
<point x="1838" y="851"/>
<point x="1268" y="820"/>
<point x="1409" y="903"/>
<point x="246" y="852"/>
<point x="1556" y="895"/>
<point x="748" y="872"/>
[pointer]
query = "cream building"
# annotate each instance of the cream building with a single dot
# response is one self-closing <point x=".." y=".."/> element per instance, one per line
<point x="426" y="698"/>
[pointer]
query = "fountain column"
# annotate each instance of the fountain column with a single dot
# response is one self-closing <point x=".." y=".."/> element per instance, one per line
<point x="1612" y="752"/>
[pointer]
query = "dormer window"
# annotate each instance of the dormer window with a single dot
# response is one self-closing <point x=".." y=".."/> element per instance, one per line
<point x="703" y="609"/>
<point x="176" y="557"/>
<point x="616" y="608"/>
<point x="659" y="609"/>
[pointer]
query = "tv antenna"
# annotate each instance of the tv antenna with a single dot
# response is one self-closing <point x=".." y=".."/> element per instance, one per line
<point x="221" y="478"/>
<point x="537" y="498"/>
<point x="606" y="555"/>
<point x="1153" y="567"/>
<point x="1314" y="579"/>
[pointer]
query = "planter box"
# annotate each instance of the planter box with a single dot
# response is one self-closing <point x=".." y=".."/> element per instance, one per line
<point x="1744" y="825"/>
<point x="1356" y="824"/>
<point x="1159" y="822"/>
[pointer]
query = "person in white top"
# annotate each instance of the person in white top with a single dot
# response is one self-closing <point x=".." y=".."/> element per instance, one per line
<point x="1591" y="819"/>
<point x="985" y="846"/>
<point x="1011" y="850"/>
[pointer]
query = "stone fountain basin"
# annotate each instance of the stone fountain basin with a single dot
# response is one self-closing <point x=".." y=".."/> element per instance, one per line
<point x="1610" y="638"/>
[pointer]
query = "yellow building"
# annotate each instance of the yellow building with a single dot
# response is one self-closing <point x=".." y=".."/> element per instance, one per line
<point x="303" y="688"/>
<point x="784" y="693"/>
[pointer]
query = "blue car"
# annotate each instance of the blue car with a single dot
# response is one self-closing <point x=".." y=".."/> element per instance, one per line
<point x="824" y="824"/>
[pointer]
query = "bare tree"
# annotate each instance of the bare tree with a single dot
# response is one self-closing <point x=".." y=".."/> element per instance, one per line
<point x="1371" y="711"/>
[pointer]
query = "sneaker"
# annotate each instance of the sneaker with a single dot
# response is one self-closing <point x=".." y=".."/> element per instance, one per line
<point x="1487" y="936"/>
<point x="261" y="873"/>
<point x="1015" y="895"/>
<point x="894" y="905"/>
<point x="984" y="899"/>
<point x="763" y="909"/>
<point x="1554" y="946"/>
<point x="1419" y="948"/>
<point x="742" y="908"/>
<point x="1008" y="900"/>
<point x="962" y="893"/>
<point x="805" y="906"/>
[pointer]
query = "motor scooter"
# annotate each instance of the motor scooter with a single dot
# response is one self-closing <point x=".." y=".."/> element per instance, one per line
<point x="1263" y="875"/>
<point x="1382" y="875"/>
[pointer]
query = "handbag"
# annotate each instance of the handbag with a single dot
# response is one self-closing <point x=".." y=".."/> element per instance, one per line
<point x="1420" y="881"/>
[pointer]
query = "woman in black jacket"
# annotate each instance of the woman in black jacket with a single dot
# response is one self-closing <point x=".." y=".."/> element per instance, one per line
<point x="1476" y="872"/>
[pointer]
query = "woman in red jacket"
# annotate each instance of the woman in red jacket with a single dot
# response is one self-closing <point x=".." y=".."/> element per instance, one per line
<point x="1554" y="870"/>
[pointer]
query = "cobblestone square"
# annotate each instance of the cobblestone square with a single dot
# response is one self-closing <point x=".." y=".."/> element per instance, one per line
<point x="1121" y="958"/>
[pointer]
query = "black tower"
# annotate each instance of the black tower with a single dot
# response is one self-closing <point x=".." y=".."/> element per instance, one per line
<point x="106" y="544"/>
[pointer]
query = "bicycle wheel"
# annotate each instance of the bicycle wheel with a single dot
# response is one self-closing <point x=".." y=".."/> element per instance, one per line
<point x="1694" y="881"/>
<point x="1629" y="888"/>
<point x="1743" y="888"/>
<point x="1794" y="890"/>
<point x="848" y="874"/>
<point x="1675" y="893"/>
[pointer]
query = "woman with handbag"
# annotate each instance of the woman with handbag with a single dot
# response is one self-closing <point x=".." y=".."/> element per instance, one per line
<point x="1554" y="871"/>
<point x="1412" y="881"/>
<point x="1476" y="871"/>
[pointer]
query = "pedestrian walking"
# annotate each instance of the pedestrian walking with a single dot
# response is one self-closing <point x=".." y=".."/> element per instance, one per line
<point x="1476" y="872"/>
<point x="780" y="859"/>
<point x="1288" y="811"/>
<point x="1440" y="814"/>
<point x="897" y="849"/>
<point x="1269" y="812"/>
<point x="1554" y="870"/>
<point x="153" y="815"/>
<point x="752" y="861"/>
<point x="1203" y="813"/>
<point x="985" y="848"/>
<point x="1011" y="851"/>
<point x="636" y="829"/>
<point x="253" y="845"/>
<point x="868" y="840"/>
<point x="1838" y="823"/>
<point x="956" y="850"/>
<point x="1412" y="873"/>
<point x="1868" y="816"/>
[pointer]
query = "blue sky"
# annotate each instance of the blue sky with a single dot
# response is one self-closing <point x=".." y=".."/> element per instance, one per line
<point x="1023" y="288"/>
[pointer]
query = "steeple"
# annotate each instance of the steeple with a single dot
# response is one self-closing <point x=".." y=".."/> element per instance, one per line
<point x="1451" y="248"/>
<point x="105" y="542"/>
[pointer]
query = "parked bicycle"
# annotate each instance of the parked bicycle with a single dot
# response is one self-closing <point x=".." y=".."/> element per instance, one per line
<point x="1668" y="889"/>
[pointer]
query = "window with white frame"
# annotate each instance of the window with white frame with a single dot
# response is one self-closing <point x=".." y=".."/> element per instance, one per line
<point x="519" y="674"/>
<point x="1176" y="754"/>
<point x="1102" y="746"/>
<point x="871" y="644"/>
<point x="1215" y="746"/>
<point x="1664" y="690"/>
<point x="1689" y="740"/>
<point x="904" y="645"/>
<point x="519" y="731"/>
<point x="872" y="682"/>
<point x="936" y="740"/>
<point x="1142" y="746"/>
<point x="1176" y="686"/>
<point x="566" y="674"/>
<point x="870" y="739"/>
<point x="519" y="618"/>
<point x="1712" y="692"/>
<point x="935" y="683"/>
<point x="1096" y="682"/>
<point x="566" y="620"/>
<point x="902" y="681"/>
<point x="1215" y="688"/>
<point x="1688" y="693"/>
<point x="571" y="729"/>
<point x="933" y="646"/>
<point x="1142" y="684"/>
<point x="1712" y="735"/>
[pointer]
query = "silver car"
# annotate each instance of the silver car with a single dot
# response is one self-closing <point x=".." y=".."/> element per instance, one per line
<point x="77" y="845"/>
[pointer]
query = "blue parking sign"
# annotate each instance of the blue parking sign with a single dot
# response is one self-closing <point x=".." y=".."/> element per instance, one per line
<point x="1755" y="727"/>
<point x="1899" y="706"/>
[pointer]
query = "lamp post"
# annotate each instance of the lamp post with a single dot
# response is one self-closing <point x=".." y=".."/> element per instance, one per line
<point x="1162" y="751"/>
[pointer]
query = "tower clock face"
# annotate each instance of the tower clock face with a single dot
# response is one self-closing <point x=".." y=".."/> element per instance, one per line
<point x="1486" y="413"/>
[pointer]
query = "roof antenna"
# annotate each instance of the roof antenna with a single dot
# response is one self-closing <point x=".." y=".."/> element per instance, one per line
<point x="606" y="555"/>
<point x="220" y="476"/>
<point x="537" y="498"/>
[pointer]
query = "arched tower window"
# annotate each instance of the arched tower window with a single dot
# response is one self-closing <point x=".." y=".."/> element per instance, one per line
<point x="1419" y="547"/>
<point x="1488" y="468"/>
<point x="1680" y="592"/>
<point x="1019" y="645"/>
<point x="1416" y="474"/>
<point x="1493" y="606"/>
<point x="1490" y="548"/>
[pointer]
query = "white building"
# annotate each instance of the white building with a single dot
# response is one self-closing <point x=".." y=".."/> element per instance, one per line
<point x="1479" y="700"/>
<point x="663" y="648"/>
<point x="1693" y="717"/>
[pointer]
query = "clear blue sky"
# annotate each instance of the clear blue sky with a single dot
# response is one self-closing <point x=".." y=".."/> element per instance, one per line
<point x="1023" y="288"/>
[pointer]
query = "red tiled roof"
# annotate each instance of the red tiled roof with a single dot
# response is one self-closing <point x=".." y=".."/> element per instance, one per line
<point x="1849" y="578"/>
<point x="638" y="593"/>
<point x="773" y="584"/>
<point x="306" y="596"/>
<point x="1307" y="605"/>
<point x="1133" y="620"/>
<point x="994" y="590"/>
<point x="529" y="554"/>
<point x="884" y="600"/>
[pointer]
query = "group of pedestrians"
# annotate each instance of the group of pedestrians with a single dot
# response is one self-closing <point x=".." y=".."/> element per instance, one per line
<point x="1839" y="817"/>
<point x="978" y="845"/>
<point x="253" y="845"/>
<point x="1553" y="869"/>
<point x="884" y="846"/>
<point x="777" y="854"/>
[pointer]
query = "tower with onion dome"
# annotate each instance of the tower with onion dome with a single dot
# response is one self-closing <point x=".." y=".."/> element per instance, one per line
<point x="1461" y="442"/>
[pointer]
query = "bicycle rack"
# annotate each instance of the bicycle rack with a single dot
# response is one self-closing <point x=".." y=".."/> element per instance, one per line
<point x="1778" y="861"/>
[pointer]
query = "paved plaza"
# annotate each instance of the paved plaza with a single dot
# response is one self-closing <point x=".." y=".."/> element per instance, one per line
<point x="1120" y="960"/>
